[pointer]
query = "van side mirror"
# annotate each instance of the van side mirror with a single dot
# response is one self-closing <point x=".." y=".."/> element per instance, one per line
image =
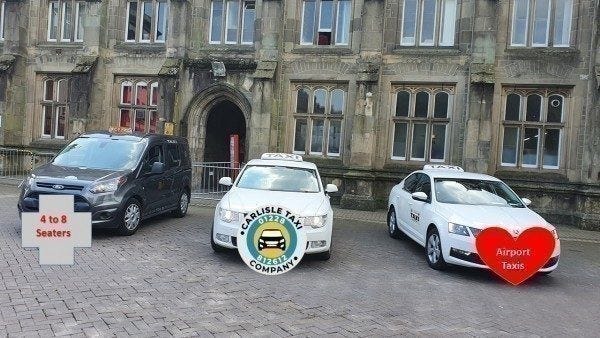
<point x="331" y="188"/>
<point x="526" y="201"/>
<point x="157" y="168"/>
<point x="420" y="196"/>
<point x="226" y="181"/>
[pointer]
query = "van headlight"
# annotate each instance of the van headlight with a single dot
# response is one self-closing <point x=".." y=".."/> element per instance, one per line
<point x="108" y="186"/>
<point x="228" y="216"/>
<point x="457" y="229"/>
<point x="28" y="182"/>
<point x="314" y="221"/>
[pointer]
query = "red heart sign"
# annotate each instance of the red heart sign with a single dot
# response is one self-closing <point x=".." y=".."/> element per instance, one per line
<point x="515" y="259"/>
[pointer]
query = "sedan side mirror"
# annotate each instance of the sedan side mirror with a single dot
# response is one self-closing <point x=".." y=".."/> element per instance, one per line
<point x="331" y="188"/>
<point x="420" y="196"/>
<point x="157" y="168"/>
<point x="526" y="201"/>
<point x="226" y="181"/>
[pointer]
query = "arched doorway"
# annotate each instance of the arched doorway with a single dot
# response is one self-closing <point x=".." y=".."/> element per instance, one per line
<point x="225" y="119"/>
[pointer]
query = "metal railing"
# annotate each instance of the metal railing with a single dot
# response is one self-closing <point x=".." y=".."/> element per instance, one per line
<point x="17" y="164"/>
<point x="206" y="176"/>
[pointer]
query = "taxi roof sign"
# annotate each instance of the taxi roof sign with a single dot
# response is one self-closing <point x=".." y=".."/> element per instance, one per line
<point x="120" y="130"/>
<point x="281" y="157"/>
<point x="442" y="167"/>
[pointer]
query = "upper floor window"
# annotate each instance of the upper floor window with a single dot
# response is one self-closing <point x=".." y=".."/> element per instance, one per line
<point x="428" y="23"/>
<point x="146" y="21"/>
<point x="232" y="22"/>
<point x="138" y="106"/>
<point x="55" y="102"/>
<point x="65" y="20"/>
<point x="2" y="20"/>
<point x="421" y="117"/>
<point x="541" y="23"/>
<point x="318" y="117"/>
<point x="533" y="129"/>
<point x="325" y="22"/>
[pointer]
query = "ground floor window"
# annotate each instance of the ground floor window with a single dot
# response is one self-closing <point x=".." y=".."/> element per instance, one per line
<point x="533" y="128"/>
<point x="138" y="105"/>
<point x="421" y="118"/>
<point x="318" y="119"/>
<point x="55" y="101"/>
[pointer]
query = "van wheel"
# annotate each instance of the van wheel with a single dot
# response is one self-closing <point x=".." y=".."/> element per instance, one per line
<point x="216" y="247"/>
<point x="433" y="250"/>
<point x="392" y="222"/>
<point x="182" y="205"/>
<point x="130" y="217"/>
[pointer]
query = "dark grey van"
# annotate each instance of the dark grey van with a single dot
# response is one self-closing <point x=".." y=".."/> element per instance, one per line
<point x="120" y="178"/>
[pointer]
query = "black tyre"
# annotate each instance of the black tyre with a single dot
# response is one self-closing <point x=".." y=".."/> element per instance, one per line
<point x="182" y="207"/>
<point x="216" y="247"/>
<point x="130" y="218"/>
<point x="433" y="250"/>
<point x="392" y="223"/>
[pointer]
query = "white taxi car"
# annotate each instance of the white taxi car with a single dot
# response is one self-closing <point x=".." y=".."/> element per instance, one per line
<point x="444" y="208"/>
<point x="280" y="179"/>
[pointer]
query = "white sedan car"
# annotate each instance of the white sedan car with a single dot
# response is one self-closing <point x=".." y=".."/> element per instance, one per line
<point x="444" y="208"/>
<point x="277" y="179"/>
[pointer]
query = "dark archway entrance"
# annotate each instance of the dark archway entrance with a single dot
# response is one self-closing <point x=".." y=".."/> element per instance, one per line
<point x="224" y="119"/>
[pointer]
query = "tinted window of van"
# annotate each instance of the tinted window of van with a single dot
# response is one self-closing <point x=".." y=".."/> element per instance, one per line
<point x="173" y="156"/>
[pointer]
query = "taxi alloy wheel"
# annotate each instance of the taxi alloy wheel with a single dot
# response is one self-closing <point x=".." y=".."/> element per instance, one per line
<point x="433" y="247"/>
<point x="182" y="206"/>
<point x="392" y="222"/>
<point x="131" y="217"/>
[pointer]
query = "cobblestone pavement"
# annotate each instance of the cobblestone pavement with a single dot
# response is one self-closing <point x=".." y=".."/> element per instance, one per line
<point x="166" y="280"/>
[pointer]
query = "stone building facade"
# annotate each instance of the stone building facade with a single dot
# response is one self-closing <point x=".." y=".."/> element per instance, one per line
<point x="367" y="89"/>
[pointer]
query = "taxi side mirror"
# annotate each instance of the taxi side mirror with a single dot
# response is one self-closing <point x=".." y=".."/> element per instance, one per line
<point x="420" y="196"/>
<point x="157" y="168"/>
<point x="226" y="181"/>
<point x="526" y="201"/>
<point x="331" y="188"/>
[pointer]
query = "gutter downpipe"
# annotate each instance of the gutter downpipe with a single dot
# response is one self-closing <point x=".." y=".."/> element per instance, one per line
<point x="468" y="82"/>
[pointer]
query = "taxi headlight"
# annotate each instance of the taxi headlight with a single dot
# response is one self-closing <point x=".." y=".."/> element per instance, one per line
<point x="28" y="182"/>
<point x="315" y="221"/>
<point x="108" y="186"/>
<point x="228" y="216"/>
<point x="555" y="233"/>
<point x="457" y="229"/>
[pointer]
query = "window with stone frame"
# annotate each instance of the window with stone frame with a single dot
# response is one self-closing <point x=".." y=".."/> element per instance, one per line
<point x="325" y="22"/>
<point x="65" y="21"/>
<point x="2" y="2"/>
<point x="138" y="104"/>
<point x="533" y="128"/>
<point x="541" y="23"/>
<point x="232" y="22"/>
<point x="54" y="107"/>
<point x="146" y="21"/>
<point x="428" y="22"/>
<point x="318" y="119"/>
<point x="421" y="120"/>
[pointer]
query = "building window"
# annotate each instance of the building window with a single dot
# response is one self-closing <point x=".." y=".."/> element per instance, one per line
<point x="420" y="119"/>
<point x="428" y="23"/>
<point x="318" y="117"/>
<point x="138" y="106"/>
<point x="325" y="22"/>
<point x="541" y="23"/>
<point x="65" y="21"/>
<point x="146" y="21"/>
<point x="55" y="102"/>
<point x="232" y="22"/>
<point x="533" y="129"/>
<point x="2" y="20"/>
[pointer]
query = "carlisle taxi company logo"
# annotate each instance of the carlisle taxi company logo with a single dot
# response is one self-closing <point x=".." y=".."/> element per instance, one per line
<point x="271" y="240"/>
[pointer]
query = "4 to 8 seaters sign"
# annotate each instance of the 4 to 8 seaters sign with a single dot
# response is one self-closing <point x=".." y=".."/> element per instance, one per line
<point x="271" y="240"/>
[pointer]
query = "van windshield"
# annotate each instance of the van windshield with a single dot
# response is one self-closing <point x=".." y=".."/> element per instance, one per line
<point x="95" y="153"/>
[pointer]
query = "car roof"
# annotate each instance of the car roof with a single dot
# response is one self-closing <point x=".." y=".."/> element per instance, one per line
<point x="134" y="136"/>
<point x="444" y="173"/>
<point x="283" y="163"/>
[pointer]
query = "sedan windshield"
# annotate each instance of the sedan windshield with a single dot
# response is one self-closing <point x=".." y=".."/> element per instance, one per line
<point x="279" y="179"/>
<point x="95" y="153"/>
<point x="475" y="192"/>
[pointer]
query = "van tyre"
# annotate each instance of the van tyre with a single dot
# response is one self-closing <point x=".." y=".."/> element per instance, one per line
<point x="433" y="250"/>
<point x="182" y="205"/>
<point x="392" y="223"/>
<point x="130" y="217"/>
<point x="216" y="247"/>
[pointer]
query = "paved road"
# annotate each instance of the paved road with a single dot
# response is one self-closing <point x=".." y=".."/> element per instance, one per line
<point x="166" y="280"/>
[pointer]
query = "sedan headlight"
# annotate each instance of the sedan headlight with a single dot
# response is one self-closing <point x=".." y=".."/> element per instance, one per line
<point x="228" y="216"/>
<point x="457" y="229"/>
<point x="108" y="186"/>
<point x="315" y="221"/>
<point x="555" y="233"/>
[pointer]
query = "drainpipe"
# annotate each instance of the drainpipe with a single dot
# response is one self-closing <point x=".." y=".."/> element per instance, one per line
<point x="468" y="82"/>
<point x="588" y="98"/>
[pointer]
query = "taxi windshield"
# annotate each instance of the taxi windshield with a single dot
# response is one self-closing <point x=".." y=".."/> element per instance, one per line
<point x="278" y="178"/>
<point x="475" y="192"/>
<point x="97" y="153"/>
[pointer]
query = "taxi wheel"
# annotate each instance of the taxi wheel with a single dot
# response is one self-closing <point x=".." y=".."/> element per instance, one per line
<point x="182" y="205"/>
<point x="216" y="247"/>
<point x="130" y="217"/>
<point x="392" y="223"/>
<point x="433" y="250"/>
